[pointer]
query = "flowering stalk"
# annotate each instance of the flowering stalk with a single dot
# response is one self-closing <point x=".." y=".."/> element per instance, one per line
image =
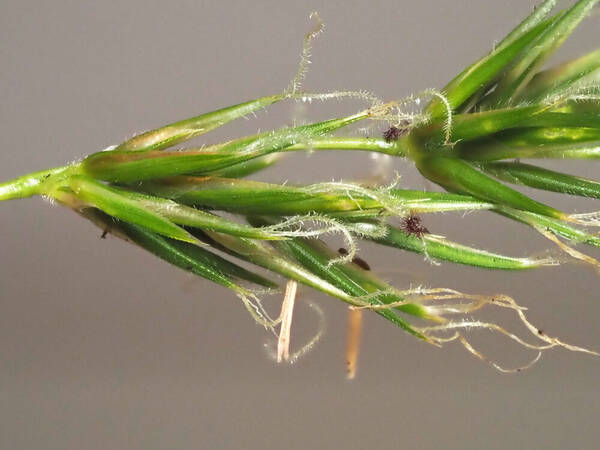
<point x="503" y="106"/>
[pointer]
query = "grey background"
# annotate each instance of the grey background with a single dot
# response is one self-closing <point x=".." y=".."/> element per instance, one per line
<point x="103" y="346"/>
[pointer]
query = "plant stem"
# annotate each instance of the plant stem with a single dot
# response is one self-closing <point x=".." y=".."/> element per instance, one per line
<point x="35" y="183"/>
<point x="397" y="148"/>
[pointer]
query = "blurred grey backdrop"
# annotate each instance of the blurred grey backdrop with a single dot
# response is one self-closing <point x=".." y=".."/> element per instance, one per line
<point x="103" y="346"/>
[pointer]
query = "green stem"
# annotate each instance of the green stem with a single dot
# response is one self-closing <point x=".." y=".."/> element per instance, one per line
<point x="396" y="148"/>
<point x="36" y="183"/>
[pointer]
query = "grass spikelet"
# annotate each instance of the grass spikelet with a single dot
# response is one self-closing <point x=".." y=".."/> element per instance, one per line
<point x="188" y="206"/>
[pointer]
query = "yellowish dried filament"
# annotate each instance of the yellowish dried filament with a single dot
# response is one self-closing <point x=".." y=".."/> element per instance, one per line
<point x="355" y="318"/>
<point x="287" y="312"/>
